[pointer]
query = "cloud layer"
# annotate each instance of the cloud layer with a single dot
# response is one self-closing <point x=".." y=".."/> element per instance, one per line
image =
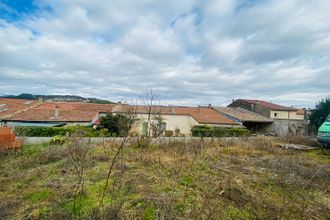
<point x="190" y="52"/>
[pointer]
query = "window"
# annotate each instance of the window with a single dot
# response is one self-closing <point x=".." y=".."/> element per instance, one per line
<point x="144" y="128"/>
<point x="275" y="115"/>
<point x="162" y="128"/>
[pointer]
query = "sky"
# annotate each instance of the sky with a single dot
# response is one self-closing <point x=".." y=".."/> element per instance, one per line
<point x="188" y="52"/>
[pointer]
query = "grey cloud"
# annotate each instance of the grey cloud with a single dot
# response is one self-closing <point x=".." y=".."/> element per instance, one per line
<point x="190" y="52"/>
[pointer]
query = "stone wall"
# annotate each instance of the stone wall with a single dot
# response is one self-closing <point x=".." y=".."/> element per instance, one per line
<point x="285" y="127"/>
<point x="251" y="107"/>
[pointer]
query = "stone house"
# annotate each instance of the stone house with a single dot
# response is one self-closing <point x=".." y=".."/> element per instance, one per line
<point x="286" y="120"/>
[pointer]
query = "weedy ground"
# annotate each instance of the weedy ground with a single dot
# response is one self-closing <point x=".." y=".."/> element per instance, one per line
<point x="220" y="179"/>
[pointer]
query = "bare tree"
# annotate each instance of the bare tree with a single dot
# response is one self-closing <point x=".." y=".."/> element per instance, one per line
<point x="150" y="99"/>
<point x="156" y="125"/>
<point x="77" y="153"/>
<point x="126" y="126"/>
<point x="154" y="116"/>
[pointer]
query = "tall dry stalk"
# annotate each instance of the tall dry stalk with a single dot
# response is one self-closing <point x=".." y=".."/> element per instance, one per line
<point x="77" y="153"/>
<point x="131" y="116"/>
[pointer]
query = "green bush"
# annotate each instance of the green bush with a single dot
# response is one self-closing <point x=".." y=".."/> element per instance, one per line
<point x="206" y="131"/>
<point x="169" y="133"/>
<point x="57" y="140"/>
<point x="60" y="131"/>
<point x="118" y="125"/>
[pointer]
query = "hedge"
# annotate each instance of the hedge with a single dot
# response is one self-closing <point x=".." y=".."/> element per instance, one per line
<point x="206" y="131"/>
<point x="61" y="131"/>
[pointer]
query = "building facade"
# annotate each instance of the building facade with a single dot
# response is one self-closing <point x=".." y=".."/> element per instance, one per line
<point x="286" y="120"/>
<point x="173" y="119"/>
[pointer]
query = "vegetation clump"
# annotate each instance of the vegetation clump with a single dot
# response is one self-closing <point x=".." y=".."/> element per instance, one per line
<point x="117" y="125"/>
<point x="34" y="131"/>
<point x="57" y="140"/>
<point x="206" y="131"/>
<point x="320" y="113"/>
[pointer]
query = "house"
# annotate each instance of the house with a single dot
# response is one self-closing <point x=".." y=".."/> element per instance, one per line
<point x="286" y="120"/>
<point x="251" y="120"/>
<point x="174" y="119"/>
<point x="268" y="109"/>
<point x="17" y="112"/>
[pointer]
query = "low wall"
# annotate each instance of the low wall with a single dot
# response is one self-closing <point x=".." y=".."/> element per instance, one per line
<point x="97" y="140"/>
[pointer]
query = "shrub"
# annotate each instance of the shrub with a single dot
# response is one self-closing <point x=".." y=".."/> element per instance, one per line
<point x="169" y="133"/>
<point x="60" y="131"/>
<point x="117" y="125"/>
<point x="57" y="140"/>
<point x="142" y="142"/>
<point x="206" y="131"/>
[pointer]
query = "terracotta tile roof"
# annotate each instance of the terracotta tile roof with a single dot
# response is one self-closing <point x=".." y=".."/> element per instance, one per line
<point x="21" y="110"/>
<point x="268" y="105"/>
<point x="11" y="106"/>
<point x="203" y="115"/>
<point x="143" y="109"/>
<point x="302" y="112"/>
<point x="68" y="112"/>
<point x="242" y="115"/>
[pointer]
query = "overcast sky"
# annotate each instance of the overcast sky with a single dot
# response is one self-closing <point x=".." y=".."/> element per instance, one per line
<point x="190" y="52"/>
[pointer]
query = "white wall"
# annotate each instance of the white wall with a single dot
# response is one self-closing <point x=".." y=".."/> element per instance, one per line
<point x="286" y="115"/>
<point x="280" y="114"/>
<point x="293" y="115"/>
<point x="183" y="122"/>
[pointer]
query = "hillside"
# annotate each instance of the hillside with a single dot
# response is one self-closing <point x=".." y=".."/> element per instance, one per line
<point x="63" y="98"/>
<point x="245" y="179"/>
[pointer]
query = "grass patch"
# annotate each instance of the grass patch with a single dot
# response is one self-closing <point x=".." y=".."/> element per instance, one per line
<point x="39" y="196"/>
<point x="248" y="178"/>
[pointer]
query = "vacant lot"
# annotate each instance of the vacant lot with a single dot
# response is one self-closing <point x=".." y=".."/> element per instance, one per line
<point x="224" y="179"/>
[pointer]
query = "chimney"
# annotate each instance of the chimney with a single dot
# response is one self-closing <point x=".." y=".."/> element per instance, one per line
<point x="210" y="105"/>
<point x="40" y="99"/>
<point x="57" y="111"/>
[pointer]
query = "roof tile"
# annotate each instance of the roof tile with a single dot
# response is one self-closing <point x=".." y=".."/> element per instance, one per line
<point x="268" y="105"/>
<point x="200" y="114"/>
<point x="68" y="111"/>
<point x="243" y="114"/>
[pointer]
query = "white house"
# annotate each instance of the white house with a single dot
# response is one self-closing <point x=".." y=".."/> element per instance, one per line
<point x="173" y="119"/>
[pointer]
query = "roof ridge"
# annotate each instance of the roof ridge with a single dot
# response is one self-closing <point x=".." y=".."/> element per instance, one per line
<point x="268" y="104"/>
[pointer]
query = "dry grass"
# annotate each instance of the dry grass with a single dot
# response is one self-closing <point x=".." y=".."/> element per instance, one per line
<point x="222" y="179"/>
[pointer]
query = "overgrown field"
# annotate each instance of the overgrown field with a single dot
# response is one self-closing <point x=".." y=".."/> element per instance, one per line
<point x="223" y="179"/>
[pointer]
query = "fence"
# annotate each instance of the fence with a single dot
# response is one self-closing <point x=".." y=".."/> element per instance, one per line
<point x="100" y="140"/>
